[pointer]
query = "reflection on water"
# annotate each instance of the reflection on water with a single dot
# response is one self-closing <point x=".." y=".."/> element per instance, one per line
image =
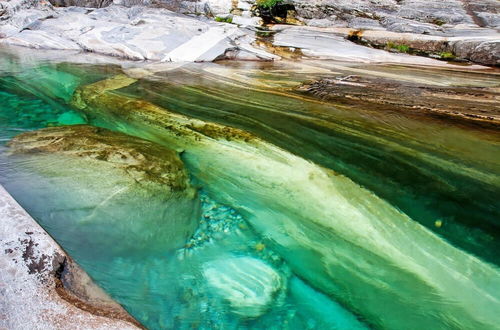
<point x="444" y="176"/>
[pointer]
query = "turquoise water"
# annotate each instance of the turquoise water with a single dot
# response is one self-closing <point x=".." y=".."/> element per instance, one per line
<point x="400" y="169"/>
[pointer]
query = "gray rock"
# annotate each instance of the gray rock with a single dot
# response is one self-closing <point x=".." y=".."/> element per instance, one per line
<point x="398" y="24"/>
<point x="136" y="33"/>
<point x="490" y="19"/>
<point x="436" y="12"/>
<point x="42" y="287"/>
<point x="81" y="3"/>
<point x="247" y="21"/>
<point x="331" y="44"/>
<point x="480" y="51"/>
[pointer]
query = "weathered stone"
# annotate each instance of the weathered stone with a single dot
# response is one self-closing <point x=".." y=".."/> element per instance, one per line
<point x="470" y="105"/>
<point x="331" y="43"/>
<point x="41" y="286"/>
<point x="448" y="18"/>
<point x="143" y="203"/>
<point x="136" y="33"/>
<point x="480" y="51"/>
<point x="81" y="3"/>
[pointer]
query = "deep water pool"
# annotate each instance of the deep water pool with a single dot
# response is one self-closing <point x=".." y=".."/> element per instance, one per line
<point x="315" y="212"/>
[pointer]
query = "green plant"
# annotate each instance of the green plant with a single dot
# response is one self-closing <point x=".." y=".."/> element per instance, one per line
<point x="268" y="3"/>
<point x="224" y="19"/>
<point x="447" y="56"/>
<point x="402" y="48"/>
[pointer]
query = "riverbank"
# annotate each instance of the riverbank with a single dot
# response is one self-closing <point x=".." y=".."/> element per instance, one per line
<point x="225" y="30"/>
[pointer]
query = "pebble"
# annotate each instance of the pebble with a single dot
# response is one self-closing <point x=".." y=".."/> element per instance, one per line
<point x="216" y="221"/>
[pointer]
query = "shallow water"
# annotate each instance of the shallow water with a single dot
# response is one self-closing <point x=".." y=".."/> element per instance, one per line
<point x="440" y="173"/>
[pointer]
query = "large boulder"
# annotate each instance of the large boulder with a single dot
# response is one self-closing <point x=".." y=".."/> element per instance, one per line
<point x="88" y="185"/>
<point x="480" y="51"/>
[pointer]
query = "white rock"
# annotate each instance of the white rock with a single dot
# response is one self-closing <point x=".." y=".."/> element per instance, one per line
<point x="41" y="40"/>
<point x="247" y="21"/>
<point x="30" y="293"/>
<point x="136" y="33"/>
<point x="219" y="6"/>
<point x="246" y="14"/>
<point x="243" y="5"/>
<point x="248" y="284"/>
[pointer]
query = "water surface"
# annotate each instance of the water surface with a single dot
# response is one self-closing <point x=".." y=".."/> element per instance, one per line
<point x="442" y="174"/>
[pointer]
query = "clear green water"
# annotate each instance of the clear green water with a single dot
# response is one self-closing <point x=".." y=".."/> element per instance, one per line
<point x="433" y="171"/>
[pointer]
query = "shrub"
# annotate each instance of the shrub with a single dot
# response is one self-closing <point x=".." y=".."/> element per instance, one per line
<point x="224" y="19"/>
<point x="268" y="3"/>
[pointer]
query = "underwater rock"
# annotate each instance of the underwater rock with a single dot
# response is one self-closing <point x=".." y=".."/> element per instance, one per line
<point x="42" y="287"/>
<point x="248" y="284"/>
<point x="338" y="236"/>
<point x="107" y="189"/>
<point x="471" y="105"/>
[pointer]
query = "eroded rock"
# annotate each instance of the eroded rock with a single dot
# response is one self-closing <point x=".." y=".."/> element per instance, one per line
<point x="466" y="105"/>
<point x="41" y="286"/>
<point x="137" y="33"/>
<point x="88" y="185"/>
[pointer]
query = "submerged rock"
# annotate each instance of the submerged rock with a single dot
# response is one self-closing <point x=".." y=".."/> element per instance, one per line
<point x="340" y="237"/>
<point x="88" y="185"/>
<point x="248" y="284"/>
<point x="467" y="105"/>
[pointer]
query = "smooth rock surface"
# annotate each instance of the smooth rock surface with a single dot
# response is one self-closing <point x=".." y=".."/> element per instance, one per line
<point x="325" y="43"/>
<point x="435" y="12"/>
<point x="40" y="285"/>
<point x="464" y="22"/>
<point x="136" y="33"/>
<point x="144" y="203"/>
<point x="248" y="284"/>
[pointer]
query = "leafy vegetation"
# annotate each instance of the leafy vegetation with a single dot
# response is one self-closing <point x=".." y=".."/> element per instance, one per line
<point x="224" y="19"/>
<point x="268" y="3"/>
<point x="402" y="48"/>
<point x="447" y="56"/>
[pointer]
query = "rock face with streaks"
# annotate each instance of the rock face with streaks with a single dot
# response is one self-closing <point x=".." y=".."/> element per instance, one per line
<point x="41" y="286"/>
<point x="476" y="105"/>
<point x="136" y="33"/>
<point x="144" y="203"/>
<point x="434" y="15"/>
<point x="248" y="284"/>
<point x="461" y="28"/>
